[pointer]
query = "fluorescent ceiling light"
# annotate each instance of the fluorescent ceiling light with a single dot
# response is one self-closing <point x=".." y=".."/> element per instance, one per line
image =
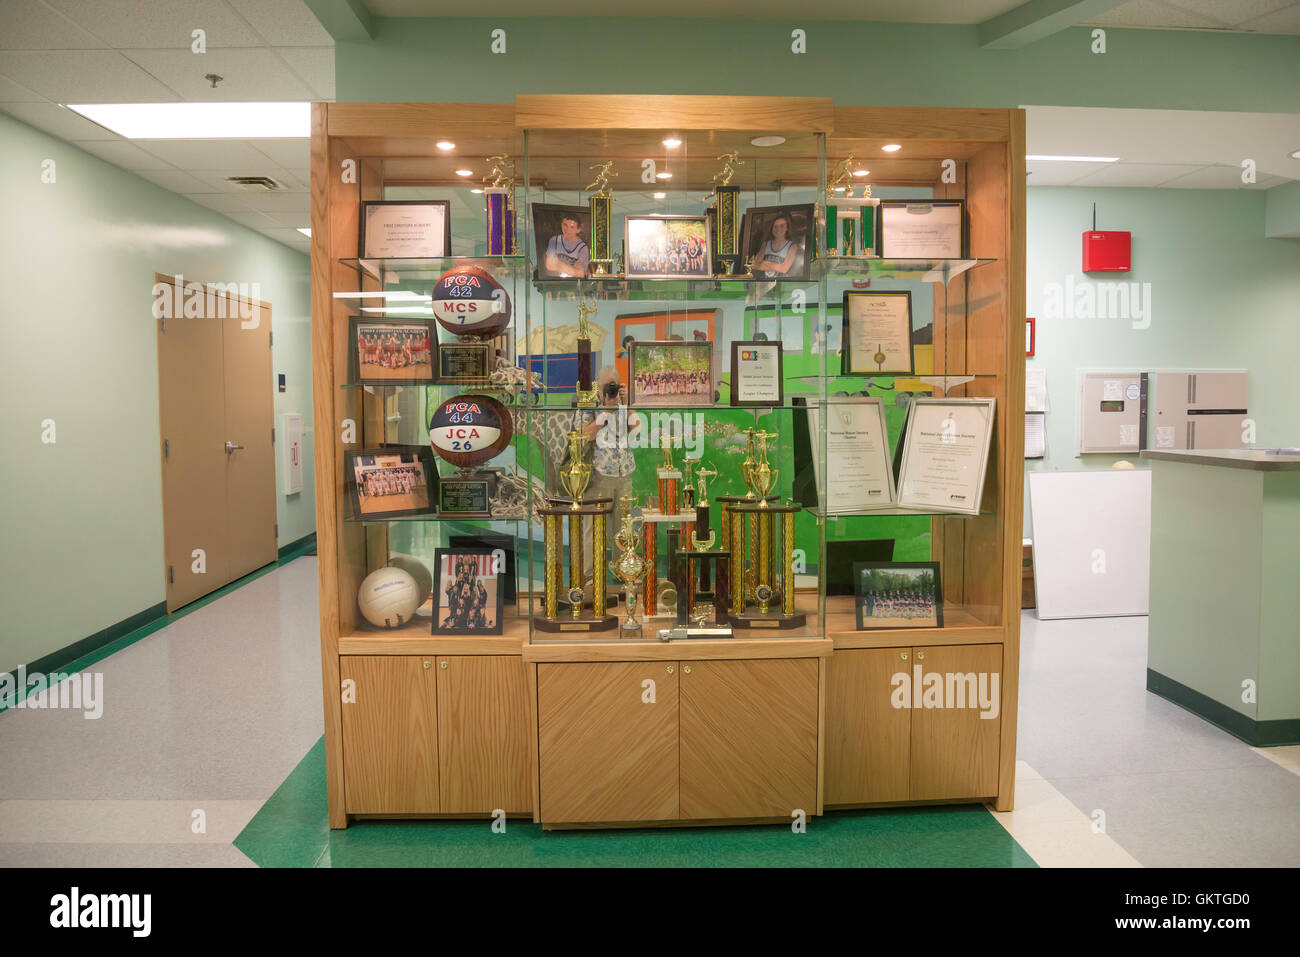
<point x="476" y="190"/>
<point x="672" y="142"/>
<point x="402" y="294"/>
<point x="891" y="147"/>
<point x="1075" y="159"/>
<point x="664" y="175"/>
<point x="445" y="145"/>
<point x="200" y="121"/>
<point x="305" y="230"/>
<point x="403" y="310"/>
<point x="661" y="195"/>
<point x="464" y="172"/>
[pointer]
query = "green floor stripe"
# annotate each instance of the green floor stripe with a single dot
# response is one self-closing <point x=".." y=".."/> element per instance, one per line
<point x="292" y="830"/>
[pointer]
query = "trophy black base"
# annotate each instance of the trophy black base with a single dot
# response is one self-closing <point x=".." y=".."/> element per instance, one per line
<point x="774" y="619"/>
<point x="726" y="265"/>
<point x="575" y="625"/>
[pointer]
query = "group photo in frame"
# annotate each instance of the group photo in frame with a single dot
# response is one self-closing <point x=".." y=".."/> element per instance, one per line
<point x="468" y="592"/>
<point x="777" y="240"/>
<point x="670" y="372"/>
<point x="404" y="229"/>
<point x="897" y="595"/>
<point x="877" y="334"/>
<point x="391" y="351"/>
<point x="562" y="238"/>
<point x="945" y="454"/>
<point x="667" y="247"/>
<point x="392" y="482"/>
<point x="757" y="373"/>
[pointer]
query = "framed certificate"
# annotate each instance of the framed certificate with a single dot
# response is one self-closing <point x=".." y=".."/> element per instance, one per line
<point x="877" y="338"/>
<point x="922" y="228"/>
<point x="859" y="477"/>
<point x="756" y="378"/>
<point x="405" y="229"/>
<point x="945" y="455"/>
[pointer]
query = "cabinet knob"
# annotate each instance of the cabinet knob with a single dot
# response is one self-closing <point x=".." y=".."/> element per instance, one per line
<point x="670" y="669"/>
<point x="686" y="669"/>
<point x="427" y="666"/>
<point x="903" y="655"/>
<point x="443" y="664"/>
<point x="920" y="656"/>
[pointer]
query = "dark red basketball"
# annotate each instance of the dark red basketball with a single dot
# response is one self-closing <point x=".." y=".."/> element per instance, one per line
<point x="470" y="429"/>
<point x="469" y="302"/>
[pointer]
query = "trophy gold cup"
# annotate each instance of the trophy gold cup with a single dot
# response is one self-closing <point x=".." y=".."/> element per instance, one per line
<point x="629" y="568"/>
<point x="574" y="478"/>
<point x="600" y="203"/>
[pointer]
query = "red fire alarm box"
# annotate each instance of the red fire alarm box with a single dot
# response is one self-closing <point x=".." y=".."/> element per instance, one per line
<point x="1108" y="251"/>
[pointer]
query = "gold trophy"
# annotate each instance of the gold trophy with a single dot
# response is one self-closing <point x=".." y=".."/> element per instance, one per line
<point x="726" y="217"/>
<point x="702" y="512"/>
<point x="629" y="568"/>
<point x="601" y="206"/>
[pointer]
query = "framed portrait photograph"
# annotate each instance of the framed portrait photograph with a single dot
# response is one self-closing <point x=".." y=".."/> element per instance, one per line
<point x="922" y="228"/>
<point x="667" y="247"/>
<point x="877" y="334"/>
<point x="672" y="372"/>
<point x="404" y="229"/>
<point x="562" y="235"/>
<point x="391" y="351"/>
<point x="897" y="595"/>
<point x="945" y="454"/>
<point x="393" y="482"/>
<point x="756" y="374"/>
<point x="467" y="591"/>
<point x="778" y="239"/>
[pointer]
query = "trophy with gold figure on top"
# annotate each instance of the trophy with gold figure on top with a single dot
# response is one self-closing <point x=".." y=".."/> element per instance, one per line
<point x="724" y="216"/>
<point x="702" y="572"/>
<point x="601" y="205"/>
<point x="850" y="220"/>
<point x="499" y="191"/>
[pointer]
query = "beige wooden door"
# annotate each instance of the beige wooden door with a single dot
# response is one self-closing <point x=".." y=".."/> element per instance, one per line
<point x="868" y="740"/>
<point x="250" y="461"/>
<point x="606" y="752"/>
<point x="390" y="734"/>
<point x="954" y="750"/>
<point x="214" y="395"/>
<point x="483" y="733"/>
<point x="748" y="738"/>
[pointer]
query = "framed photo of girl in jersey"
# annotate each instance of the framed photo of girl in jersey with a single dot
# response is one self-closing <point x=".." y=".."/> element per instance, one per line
<point x="467" y="591"/>
<point x="667" y="247"/>
<point x="391" y="351"/>
<point x="776" y="238"/>
<point x="670" y="372"/>
<point x="399" y="481"/>
<point x="897" y="595"/>
<point x="562" y="235"/>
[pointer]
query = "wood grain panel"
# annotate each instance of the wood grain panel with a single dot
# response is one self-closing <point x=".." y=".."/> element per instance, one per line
<point x="620" y="112"/>
<point x="483" y="735"/>
<point x="954" y="750"/>
<point x="678" y="650"/>
<point x="390" y="738"/>
<point x="748" y="738"/>
<point x="921" y="123"/>
<point x="472" y="126"/>
<point x="604" y="754"/>
<point x="868" y="740"/>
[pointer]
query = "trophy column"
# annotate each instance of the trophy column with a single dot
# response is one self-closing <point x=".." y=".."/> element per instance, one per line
<point x="772" y="562"/>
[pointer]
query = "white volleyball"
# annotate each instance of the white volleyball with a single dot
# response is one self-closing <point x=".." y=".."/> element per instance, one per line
<point x="388" y="597"/>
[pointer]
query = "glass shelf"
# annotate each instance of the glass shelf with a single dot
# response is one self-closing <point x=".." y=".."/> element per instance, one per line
<point x="925" y="270"/>
<point x="428" y="270"/>
<point x="833" y="515"/>
<point x="401" y="519"/>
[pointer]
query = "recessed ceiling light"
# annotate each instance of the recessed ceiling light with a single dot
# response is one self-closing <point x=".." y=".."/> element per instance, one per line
<point x="661" y="195"/>
<point x="767" y="140"/>
<point x="1074" y="159"/>
<point x="305" y="230"/>
<point x="445" y="145"/>
<point x="672" y="142"/>
<point x="200" y="121"/>
<point x="862" y="172"/>
<point x="464" y="172"/>
<point x="664" y="175"/>
<point x="891" y="147"/>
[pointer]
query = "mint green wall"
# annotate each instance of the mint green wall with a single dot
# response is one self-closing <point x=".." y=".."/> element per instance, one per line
<point x="902" y="64"/>
<point x="1223" y="297"/>
<point x="81" y="521"/>
<point x="1282" y="210"/>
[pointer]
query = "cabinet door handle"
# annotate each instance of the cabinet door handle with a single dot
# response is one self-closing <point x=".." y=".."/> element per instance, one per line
<point x="670" y="669"/>
<point x="920" y="656"/>
<point x="443" y="664"/>
<point x="686" y="669"/>
<point x="427" y="666"/>
<point x="903" y="655"/>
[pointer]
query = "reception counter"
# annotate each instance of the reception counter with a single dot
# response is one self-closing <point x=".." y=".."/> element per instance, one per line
<point x="1225" y="589"/>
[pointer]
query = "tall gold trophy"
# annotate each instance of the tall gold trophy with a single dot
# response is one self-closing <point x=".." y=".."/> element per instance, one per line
<point x="600" y="203"/>
<point x="726" y="217"/>
<point x="703" y="602"/>
<point x="574" y="477"/>
<point x="629" y="568"/>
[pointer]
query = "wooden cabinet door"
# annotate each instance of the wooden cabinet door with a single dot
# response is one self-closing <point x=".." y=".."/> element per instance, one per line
<point x="955" y="749"/>
<point x="748" y="738"/>
<point x="606" y="751"/>
<point x="868" y="740"/>
<point x="483" y="732"/>
<point x="390" y="736"/>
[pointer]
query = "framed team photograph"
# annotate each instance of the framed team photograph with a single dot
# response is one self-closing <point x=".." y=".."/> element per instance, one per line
<point x="672" y="372"/>
<point x="391" y="351"/>
<point x="393" y="482"/>
<point x="467" y="591"/>
<point x="777" y="239"/>
<point x="404" y="229"/>
<point x="667" y="247"/>
<point x="562" y="235"/>
<point x="897" y="595"/>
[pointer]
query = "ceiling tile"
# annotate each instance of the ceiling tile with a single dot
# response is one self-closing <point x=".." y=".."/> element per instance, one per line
<point x="90" y="76"/>
<point x="280" y="203"/>
<point x="29" y="25"/>
<point x="140" y="24"/>
<point x="221" y="202"/>
<point x="231" y="157"/>
<point x="254" y="220"/>
<point x="1056" y="173"/>
<point x="1210" y="177"/>
<point x="217" y="181"/>
<point x="1284" y="21"/>
<point x="1233" y="13"/>
<point x="124" y="154"/>
<point x="246" y="75"/>
<point x="294" y="218"/>
<point x="175" y="180"/>
<point x="57" y="121"/>
<point x="283" y="23"/>
<point x="291" y="153"/>
<point x="315" y="65"/>
<point x="1135" y="174"/>
<point x="1153" y="13"/>
<point x="290" y="237"/>
<point x="11" y="92"/>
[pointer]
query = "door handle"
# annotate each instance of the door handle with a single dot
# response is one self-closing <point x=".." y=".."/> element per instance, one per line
<point x="231" y="447"/>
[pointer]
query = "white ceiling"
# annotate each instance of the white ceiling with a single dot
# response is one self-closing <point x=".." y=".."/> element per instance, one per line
<point x="1253" y="16"/>
<point x="124" y="51"/>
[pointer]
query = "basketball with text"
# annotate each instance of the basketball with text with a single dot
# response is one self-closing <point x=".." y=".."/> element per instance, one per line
<point x="470" y="429"/>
